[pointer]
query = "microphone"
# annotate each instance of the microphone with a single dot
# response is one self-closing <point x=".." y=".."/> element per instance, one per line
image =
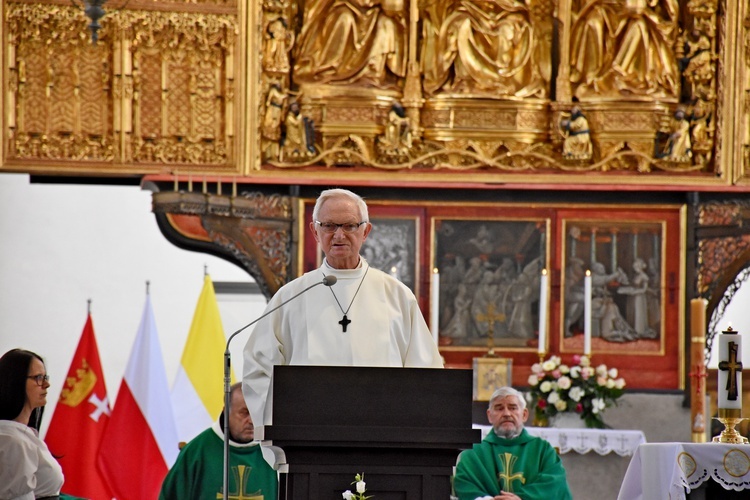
<point x="327" y="281"/>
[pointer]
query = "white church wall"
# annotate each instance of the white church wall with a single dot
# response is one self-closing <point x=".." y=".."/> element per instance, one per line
<point x="61" y="245"/>
<point x="736" y="315"/>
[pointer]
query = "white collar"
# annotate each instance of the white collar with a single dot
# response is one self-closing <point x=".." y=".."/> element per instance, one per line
<point x="216" y="427"/>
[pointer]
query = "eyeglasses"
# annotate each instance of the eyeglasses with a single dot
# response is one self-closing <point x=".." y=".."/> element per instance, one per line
<point x="39" y="379"/>
<point x="330" y="227"/>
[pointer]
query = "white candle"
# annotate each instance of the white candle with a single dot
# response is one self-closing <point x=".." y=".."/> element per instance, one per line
<point x="435" y="303"/>
<point x="730" y="361"/>
<point x="587" y="314"/>
<point x="543" y="313"/>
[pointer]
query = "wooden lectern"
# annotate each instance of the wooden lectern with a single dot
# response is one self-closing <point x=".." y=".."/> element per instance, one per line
<point x="402" y="427"/>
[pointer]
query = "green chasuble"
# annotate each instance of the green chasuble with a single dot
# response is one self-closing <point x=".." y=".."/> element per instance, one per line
<point x="527" y="466"/>
<point x="197" y="474"/>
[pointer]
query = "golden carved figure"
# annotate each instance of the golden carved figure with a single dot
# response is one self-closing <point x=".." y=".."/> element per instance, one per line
<point x="625" y="47"/>
<point x="299" y="137"/>
<point x="575" y="130"/>
<point x="398" y="136"/>
<point x="701" y="119"/>
<point x="678" y="147"/>
<point x="278" y="42"/>
<point x="484" y="47"/>
<point x="352" y="41"/>
<point x="275" y="99"/>
<point x="698" y="55"/>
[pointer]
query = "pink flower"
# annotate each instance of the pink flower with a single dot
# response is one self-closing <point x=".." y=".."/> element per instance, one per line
<point x="557" y="373"/>
<point x="579" y="408"/>
<point x="542" y="403"/>
<point x="577" y="359"/>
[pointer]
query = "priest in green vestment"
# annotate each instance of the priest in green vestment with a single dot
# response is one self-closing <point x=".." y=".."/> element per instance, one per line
<point x="510" y="464"/>
<point x="198" y="472"/>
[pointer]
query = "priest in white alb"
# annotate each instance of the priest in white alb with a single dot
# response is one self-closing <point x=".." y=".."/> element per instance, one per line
<point x="367" y="318"/>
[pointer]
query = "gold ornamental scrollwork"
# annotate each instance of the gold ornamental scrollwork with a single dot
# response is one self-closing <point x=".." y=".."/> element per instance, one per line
<point x="157" y="89"/>
<point x="424" y="77"/>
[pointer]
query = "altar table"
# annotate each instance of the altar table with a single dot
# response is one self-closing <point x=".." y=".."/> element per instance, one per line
<point x="671" y="470"/>
<point x="601" y="441"/>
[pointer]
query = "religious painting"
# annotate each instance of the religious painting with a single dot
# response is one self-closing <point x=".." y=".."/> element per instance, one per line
<point x="490" y="272"/>
<point x="393" y="245"/>
<point x="490" y="374"/>
<point x="625" y="262"/>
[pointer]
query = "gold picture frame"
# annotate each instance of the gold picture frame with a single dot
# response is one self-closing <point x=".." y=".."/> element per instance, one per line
<point x="490" y="374"/>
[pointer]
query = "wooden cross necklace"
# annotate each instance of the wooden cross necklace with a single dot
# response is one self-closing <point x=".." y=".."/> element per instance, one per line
<point x="345" y="321"/>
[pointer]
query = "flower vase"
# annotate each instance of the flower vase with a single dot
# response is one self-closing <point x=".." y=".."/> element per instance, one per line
<point x="568" y="420"/>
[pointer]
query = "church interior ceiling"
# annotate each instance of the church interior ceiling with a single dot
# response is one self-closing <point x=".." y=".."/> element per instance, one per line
<point x="632" y="91"/>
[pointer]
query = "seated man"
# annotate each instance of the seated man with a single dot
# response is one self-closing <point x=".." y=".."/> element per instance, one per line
<point x="198" y="471"/>
<point x="510" y="463"/>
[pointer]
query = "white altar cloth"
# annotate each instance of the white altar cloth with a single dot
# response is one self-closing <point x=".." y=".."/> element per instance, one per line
<point x="670" y="470"/>
<point x="602" y="441"/>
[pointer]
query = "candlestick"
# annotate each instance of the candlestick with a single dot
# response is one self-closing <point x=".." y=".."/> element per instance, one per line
<point x="730" y="387"/>
<point x="435" y="304"/>
<point x="698" y="369"/>
<point x="587" y="314"/>
<point x="543" y="313"/>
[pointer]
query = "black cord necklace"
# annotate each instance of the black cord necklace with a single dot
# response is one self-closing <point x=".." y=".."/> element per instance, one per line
<point x="345" y="321"/>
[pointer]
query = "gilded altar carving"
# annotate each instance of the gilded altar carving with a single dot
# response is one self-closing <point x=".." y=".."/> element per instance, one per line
<point x="481" y="73"/>
<point x="625" y="49"/>
<point x="160" y="90"/>
<point x="157" y="88"/>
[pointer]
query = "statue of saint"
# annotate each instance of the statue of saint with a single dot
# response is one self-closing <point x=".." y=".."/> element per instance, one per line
<point x="575" y="130"/>
<point x="352" y="42"/>
<point x="678" y="147"/>
<point x="397" y="137"/>
<point x="482" y="47"/>
<point x="275" y="99"/>
<point x="625" y="48"/>
<point x="299" y="136"/>
<point x="278" y="42"/>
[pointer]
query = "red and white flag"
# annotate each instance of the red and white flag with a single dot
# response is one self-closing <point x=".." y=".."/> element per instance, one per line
<point x="140" y="444"/>
<point x="78" y="424"/>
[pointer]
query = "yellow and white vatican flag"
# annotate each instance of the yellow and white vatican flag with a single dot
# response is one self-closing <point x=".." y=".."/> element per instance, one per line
<point x="198" y="394"/>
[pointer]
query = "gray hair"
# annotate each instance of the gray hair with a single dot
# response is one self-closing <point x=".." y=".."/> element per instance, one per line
<point x="503" y="392"/>
<point x="341" y="193"/>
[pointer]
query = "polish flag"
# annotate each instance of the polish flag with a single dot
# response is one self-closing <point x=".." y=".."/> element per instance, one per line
<point x="78" y="424"/>
<point x="140" y="444"/>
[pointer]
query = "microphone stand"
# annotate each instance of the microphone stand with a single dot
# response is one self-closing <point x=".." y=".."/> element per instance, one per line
<point x="327" y="281"/>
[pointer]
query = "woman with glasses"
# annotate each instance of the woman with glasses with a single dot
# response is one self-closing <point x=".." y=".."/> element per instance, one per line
<point x="366" y="318"/>
<point x="27" y="468"/>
